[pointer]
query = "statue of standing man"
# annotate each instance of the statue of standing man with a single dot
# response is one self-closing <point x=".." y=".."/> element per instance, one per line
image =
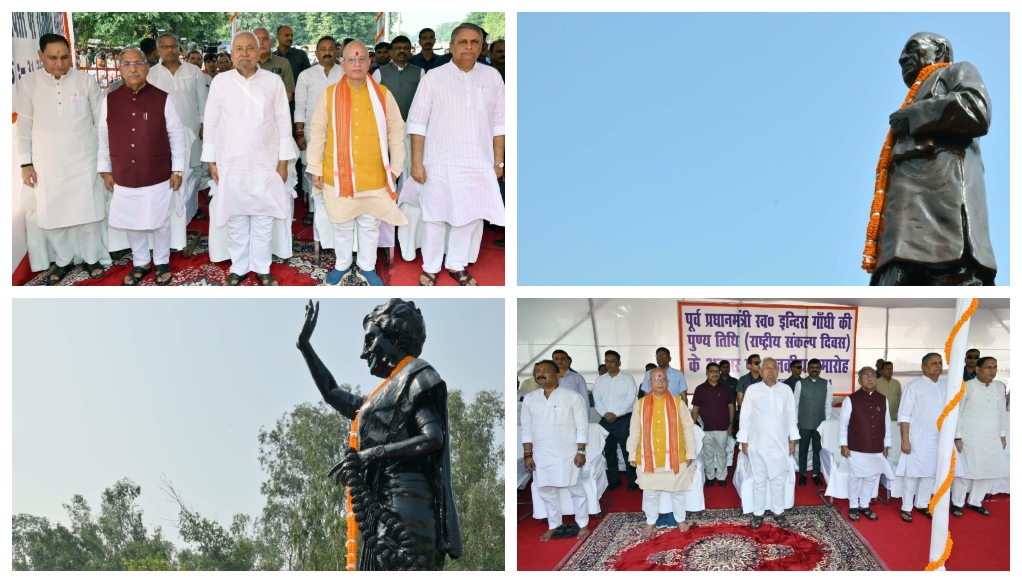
<point x="398" y="464"/>
<point x="933" y="229"/>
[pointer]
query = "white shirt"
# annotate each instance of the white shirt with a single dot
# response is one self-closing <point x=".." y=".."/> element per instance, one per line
<point x="863" y="464"/>
<point x="459" y="113"/>
<point x="828" y="402"/>
<point x="768" y="423"/>
<point x="615" y="395"/>
<point x="555" y="426"/>
<point x="56" y="132"/>
<point x="146" y="207"/>
<point x="189" y="88"/>
<point x="982" y="422"/>
<point x="311" y="83"/>
<point x="247" y="131"/>
<point x="676" y="384"/>
<point x="922" y="402"/>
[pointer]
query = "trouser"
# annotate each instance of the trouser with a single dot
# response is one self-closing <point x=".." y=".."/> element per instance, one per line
<point x="618" y="438"/>
<point x="89" y="237"/>
<point x="651" y="504"/>
<point x="551" y="497"/>
<point x="307" y="185"/>
<point x="139" y="242"/>
<point x="805" y="436"/>
<point x="715" y="454"/>
<point x="458" y="247"/>
<point x="966" y="271"/>
<point x="977" y="490"/>
<point x="248" y="243"/>
<point x="768" y="492"/>
<point x="368" y="237"/>
<point x="860" y="490"/>
<point x="920" y="488"/>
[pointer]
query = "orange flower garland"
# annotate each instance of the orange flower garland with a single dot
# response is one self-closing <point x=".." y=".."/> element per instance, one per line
<point x="946" y="483"/>
<point x="352" y="543"/>
<point x="869" y="254"/>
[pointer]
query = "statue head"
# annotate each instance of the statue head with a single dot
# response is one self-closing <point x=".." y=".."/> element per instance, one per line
<point x="921" y="50"/>
<point x="393" y="330"/>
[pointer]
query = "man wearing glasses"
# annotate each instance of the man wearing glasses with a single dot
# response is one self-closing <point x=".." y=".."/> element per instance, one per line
<point x="971" y="358"/>
<point x="614" y="395"/>
<point x="796" y="374"/>
<point x="813" y="399"/>
<point x="864" y="434"/>
<point x="747" y="380"/>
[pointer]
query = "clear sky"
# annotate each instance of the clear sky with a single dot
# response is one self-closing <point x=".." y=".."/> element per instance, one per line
<point x="723" y="149"/>
<point x="106" y="389"/>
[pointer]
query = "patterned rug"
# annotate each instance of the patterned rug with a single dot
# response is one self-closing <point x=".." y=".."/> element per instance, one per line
<point x="722" y="540"/>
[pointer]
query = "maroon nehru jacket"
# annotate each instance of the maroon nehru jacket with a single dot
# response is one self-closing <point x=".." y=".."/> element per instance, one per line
<point x="139" y="143"/>
<point x="867" y="424"/>
<point x="712" y="402"/>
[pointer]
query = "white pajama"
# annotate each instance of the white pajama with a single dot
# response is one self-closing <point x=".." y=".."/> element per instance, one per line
<point x="976" y="489"/>
<point x="249" y="243"/>
<point x="551" y="497"/>
<point x="860" y="490"/>
<point x="651" y="504"/>
<point x="139" y="242"/>
<point x="762" y="499"/>
<point x="89" y="237"/>
<point x="714" y="454"/>
<point x="368" y="237"/>
<point x="459" y="248"/>
<point x="921" y="488"/>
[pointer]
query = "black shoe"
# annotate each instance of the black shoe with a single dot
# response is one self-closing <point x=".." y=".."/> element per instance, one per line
<point x="709" y="483"/>
<point x="612" y="486"/>
<point x="499" y="242"/>
<point x="817" y="480"/>
<point x="801" y="479"/>
<point x="633" y="487"/>
<point x="722" y="482"/>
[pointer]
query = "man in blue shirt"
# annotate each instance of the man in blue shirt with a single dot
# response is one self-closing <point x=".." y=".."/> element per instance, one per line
<point x="675" y="379"/>
<point x="426" y="58"/>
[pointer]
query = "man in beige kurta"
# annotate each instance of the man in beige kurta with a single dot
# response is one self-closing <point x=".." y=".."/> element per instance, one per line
<point x="663" y="464"/>
<point x="355" y="173"/>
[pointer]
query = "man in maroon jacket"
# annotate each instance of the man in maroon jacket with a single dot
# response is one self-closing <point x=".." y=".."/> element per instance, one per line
<point x="864" y="434"/>
<point x="141" y="159"/>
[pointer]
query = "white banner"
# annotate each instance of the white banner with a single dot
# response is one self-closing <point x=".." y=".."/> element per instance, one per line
<point x="716" y="332"/>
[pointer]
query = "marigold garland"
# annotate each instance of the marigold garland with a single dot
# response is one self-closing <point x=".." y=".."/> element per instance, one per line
<point x="869" y="254"/>
<point x="947" y="553"/>
<point x="352" y="543"/>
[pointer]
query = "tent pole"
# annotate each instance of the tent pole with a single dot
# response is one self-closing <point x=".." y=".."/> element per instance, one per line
<point x="596" y="337"/>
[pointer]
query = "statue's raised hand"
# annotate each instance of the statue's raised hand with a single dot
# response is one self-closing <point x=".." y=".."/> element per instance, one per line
<point x="311" y="315"/>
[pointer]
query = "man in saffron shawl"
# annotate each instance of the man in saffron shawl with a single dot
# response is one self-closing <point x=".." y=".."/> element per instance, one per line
<point x="398" y="468"/>
<point x="662" y="446"/>
<point x="934" y="225"/>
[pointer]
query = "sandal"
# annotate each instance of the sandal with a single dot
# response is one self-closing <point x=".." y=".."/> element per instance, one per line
<point x="236" y="279"/>
<point x="956" y="511"/>
<point x="91" y="267"/>
<point x="853" y="514"/>
<point x="57" y="273"/>
<point x="868" y="513"/>
<point x="781" y="520"/>
<point x="559" y="531"/>
<point x="757" y="521"/>
<point x="427" y="279"/>
<point x="136" y="275"/>
<point x="463" y="277"/>
<point x="925" y="512"/>
<point x="162" y="269"/>
<point x="266" y="279"/>
<point x="199" y="215"/>
<point x="570" y="530"/>
<point x="307" y="219"/>
<point x="981" y="509"/>
<point x="906" y="516"/>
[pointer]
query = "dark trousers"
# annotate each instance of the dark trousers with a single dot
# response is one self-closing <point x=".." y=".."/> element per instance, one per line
<point x="618" y="438"/>
<point x="805" y="436"/>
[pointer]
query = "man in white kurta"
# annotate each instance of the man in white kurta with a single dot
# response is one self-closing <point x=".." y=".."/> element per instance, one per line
<point x="142" y="210"/>
<point x="661" y="448"/>
<point x="189" y="88"/>
<point x="57" y="110"/>
<point x="456" y="124"/>
<point x="922" y="401"/>
<point x="555" y="429"/>
<point x="871" y="431"/>
<point x="768" y="433"/>
<point x="248" y="144"/>
<point x="309" y="86"/>
<point x="980" y="438"/>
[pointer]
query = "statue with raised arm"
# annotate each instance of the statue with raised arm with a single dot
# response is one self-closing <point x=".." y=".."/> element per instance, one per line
<point x="397" y="466"/>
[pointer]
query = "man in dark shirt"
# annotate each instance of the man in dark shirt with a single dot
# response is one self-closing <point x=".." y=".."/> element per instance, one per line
<point x="148" y="46"/>
<point x="796" y="374"/>
<point x="382" y="55"/>
<point x="726" y="378"/>
<point x="426" y="58"/>
<point x="299" y="61"/>
<point x="971" y="358"/>
<point x="497" y="56"/>
<point x="715" y="403"/>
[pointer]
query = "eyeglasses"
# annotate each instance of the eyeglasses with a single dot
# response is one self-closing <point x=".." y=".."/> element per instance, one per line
<point x="967" y="357"/>
<point x="168" y="46"/>
<point x="130" y="64"/>
<point x="869" y="376"/>
<point x="755" y="363"/>
<point x="353" y="60"/>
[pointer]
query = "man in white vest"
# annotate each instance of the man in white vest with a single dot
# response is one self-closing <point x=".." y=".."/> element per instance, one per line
<point x="981" y="438"/>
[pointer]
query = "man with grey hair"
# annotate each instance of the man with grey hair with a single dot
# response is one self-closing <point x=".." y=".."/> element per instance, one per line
<point x="456" y="124"/>
<point x="864" y="434"/>
<point x="248" y="147"/>
<point x="981" y="438"/>
<point x="768" y="434"/>
<point x="921" y="404"/>
<point x="274" y="63"/>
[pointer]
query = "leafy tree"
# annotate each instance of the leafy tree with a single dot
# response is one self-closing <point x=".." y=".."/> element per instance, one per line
<point x="491" y="22"/>
<point x="309" y="27"/>
<point x="116" y="29"/>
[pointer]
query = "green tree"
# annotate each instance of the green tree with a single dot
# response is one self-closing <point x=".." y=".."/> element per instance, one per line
<point x="491" y="22"/>
<point x="115" y="29"/>
<point x="309" y="27"/>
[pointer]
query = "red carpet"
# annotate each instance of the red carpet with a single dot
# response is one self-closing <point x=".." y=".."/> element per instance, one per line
<point x="301" y="269"/>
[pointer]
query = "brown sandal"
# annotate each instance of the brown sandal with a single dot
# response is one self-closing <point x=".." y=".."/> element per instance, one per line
<point x="463" y="277"/>
<point x="427" y="279"/>
<point x="266" y="279"/>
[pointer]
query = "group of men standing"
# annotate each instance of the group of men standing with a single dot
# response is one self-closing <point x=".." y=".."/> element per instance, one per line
<point x="359" y="130"/>
<point x="653" y="430"/>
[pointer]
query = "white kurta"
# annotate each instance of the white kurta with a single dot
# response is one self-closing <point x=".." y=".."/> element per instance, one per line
<point x="769" y="422"/>
<point x="146" y="207"/>
<point x="56" y="132"/>
<point x="459" y="113"/>
<point x="310" y="86"/>
<point x="864" y="464"/>
<point x="922" y="401"/>
<point x="982" y="422"/>
<point x="555" y="427"/>
<point x="247" y="132"/>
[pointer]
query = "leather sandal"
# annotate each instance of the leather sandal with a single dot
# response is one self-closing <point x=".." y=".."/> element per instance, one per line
<point x="235" y="279"/>
<point x="906" y="516"/>
<point x="266" y="279"/>
<point x="427" y="279"/>
<point x="781" y="520"/>
<point x="757" y="521"/>
<point x="57" y="273"/>
<point x="925" y="512"/>
<point x="463" y="277"/>
<point x="853" y="514"/>
<point x="162" y="269"/>
<point x="981" y="509"/>
<point x="136" y="275"/>
<point x="868" y="513"/>
<point x="956" y="511"/>
<point x="91" y="267"/>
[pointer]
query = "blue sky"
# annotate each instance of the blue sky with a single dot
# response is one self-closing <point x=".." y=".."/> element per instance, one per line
<point x="727" y="149"/>
<point x="106" y="389"/>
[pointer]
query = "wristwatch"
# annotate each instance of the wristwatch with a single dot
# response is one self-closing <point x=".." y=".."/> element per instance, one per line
<point x="178" y="174"/>
<point x="498" y="164"/>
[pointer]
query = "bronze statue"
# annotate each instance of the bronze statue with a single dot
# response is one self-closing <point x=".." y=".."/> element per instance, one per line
<point x="934" y="223"/>
<point x="398" y="465"/>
